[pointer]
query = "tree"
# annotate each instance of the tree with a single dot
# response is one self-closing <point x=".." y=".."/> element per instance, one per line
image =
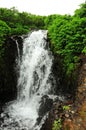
<point x="81" y="12"/>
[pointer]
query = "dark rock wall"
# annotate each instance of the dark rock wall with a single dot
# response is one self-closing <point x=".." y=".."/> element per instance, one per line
<point x="8" y="72"/>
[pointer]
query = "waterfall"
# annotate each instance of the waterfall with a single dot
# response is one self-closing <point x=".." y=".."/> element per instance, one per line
<point x="18" y="57"/>
<point x="34" y="84"/>
<point x="18" y="51"/>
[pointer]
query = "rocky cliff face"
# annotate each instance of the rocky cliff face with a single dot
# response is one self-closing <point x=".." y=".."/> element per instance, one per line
<point x="8" y="72"/>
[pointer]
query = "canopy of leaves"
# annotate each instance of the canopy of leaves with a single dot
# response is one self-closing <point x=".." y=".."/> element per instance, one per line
<point x="4" y="30"/>
<point x="21" y="23"/>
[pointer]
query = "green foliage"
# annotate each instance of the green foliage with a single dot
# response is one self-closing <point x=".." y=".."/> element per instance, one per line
<point x="19" y="30"/>
<point x="57" y="124"/>
<point x="49" y="19"/>
<point x="68" y="37"/>
<point x="84" y="50"/>
<point x="82" y="11"/>
<point x="70" y="69"/>
<point x="4" y="31"/>
<point x="66" y="108"/>
<point x="21" y="23"/>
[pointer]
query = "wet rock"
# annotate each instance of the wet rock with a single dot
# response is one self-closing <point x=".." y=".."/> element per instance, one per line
<point x="46" y="105"/>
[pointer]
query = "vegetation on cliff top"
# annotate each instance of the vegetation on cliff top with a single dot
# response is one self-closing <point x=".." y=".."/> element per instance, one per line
<point x="68" y="36"/>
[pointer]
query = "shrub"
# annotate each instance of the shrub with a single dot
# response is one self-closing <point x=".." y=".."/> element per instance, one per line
<point x="57" y="124"/>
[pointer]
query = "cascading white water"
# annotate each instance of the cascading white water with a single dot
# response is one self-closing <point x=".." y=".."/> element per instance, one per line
<point x="35" y="67"/>
<point x="33" y="83"/>
<point x="18" y="57"/>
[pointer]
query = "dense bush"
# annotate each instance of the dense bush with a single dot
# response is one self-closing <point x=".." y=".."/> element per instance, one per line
<point x="68" y="38"/>
<point x="21" y="23"/>
<point x="4" y="31"/>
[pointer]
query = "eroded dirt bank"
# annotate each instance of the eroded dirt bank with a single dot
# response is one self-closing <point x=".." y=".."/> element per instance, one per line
<point x="78" y="120"/>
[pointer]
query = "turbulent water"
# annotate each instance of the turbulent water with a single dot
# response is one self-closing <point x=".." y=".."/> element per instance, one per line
<point x="34" y="85"/>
